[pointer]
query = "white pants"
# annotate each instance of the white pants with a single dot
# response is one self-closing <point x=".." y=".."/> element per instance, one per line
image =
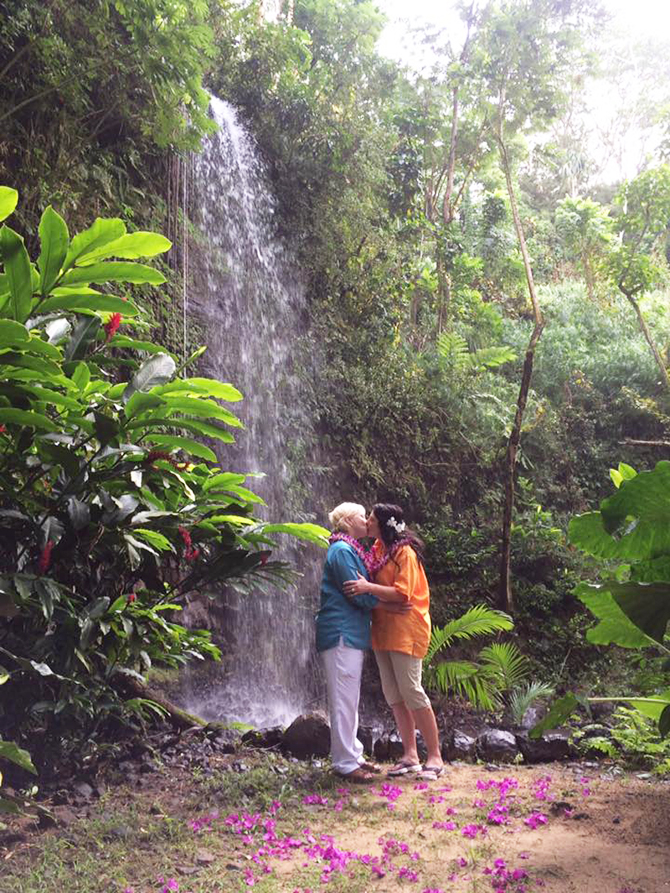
<point x="344" y="666"/>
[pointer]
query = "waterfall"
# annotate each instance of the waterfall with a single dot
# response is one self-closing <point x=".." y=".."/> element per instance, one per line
<point x="247" y="300"/>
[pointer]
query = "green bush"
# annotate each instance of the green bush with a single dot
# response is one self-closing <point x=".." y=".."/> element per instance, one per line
<point x="112" y="507"/>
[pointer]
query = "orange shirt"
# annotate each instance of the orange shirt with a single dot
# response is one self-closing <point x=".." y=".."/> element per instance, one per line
<point x="408" y="633"/>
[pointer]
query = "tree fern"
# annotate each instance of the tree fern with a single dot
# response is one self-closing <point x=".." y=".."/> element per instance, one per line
<point x="453" y="348"/>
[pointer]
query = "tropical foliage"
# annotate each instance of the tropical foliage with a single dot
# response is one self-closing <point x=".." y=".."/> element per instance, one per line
<point x="632" y="603"/>
<point x="112" y="507"/>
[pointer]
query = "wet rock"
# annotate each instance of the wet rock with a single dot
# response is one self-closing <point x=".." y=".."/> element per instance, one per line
<point x="267" y="739"/>
<point x="532" y="717"/>
<point x="367" y="736"/>
<point x="457" y="745"/>
<point x="83" y="789"/>
<point x="497" y="746"/>
<point x="307" y="736"/>
<point x="554" y="745"/>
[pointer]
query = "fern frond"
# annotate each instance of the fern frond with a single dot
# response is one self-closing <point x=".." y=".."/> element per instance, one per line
<point x="478" y="621"/>
<point x="507" y="663"/>
<point x="454" y="349"/>
<point x="490" y="357"/>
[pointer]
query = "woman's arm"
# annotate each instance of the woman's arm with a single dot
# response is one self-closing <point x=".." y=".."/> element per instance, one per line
<point x="383" y="593"/>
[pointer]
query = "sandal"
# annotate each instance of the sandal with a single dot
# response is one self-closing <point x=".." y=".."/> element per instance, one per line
<point x="403" y="768"/>
<point x="358" y="776"/>
<point x="370" y="767"/>
<point x="429" y="773"/>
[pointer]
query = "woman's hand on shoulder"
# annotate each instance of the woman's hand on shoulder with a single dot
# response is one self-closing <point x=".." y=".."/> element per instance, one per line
<point x="356" y="587"/>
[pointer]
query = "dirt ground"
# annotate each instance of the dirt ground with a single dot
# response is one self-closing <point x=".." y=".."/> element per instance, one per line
<point x="569" y="828"/>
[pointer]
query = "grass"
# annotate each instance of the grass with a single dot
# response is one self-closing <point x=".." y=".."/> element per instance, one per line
<point x="282" y="827"/>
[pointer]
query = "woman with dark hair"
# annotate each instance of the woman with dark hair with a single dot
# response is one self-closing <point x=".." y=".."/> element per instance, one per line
<point x="343" y="635"/>
<point x="400" y="641"/>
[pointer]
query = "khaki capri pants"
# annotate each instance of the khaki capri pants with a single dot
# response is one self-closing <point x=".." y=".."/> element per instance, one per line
<point x="401" y="679"/>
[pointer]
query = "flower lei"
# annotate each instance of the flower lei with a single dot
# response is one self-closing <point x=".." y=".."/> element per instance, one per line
<point x="372" y="564"/>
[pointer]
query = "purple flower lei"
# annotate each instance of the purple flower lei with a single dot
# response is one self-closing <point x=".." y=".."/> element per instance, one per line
<point x="372" y="565"/>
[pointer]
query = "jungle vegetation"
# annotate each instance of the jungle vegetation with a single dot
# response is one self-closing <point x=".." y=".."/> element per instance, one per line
<point x="489" y="300"/>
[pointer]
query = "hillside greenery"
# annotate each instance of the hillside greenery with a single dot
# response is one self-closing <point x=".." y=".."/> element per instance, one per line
<point x="392" y="193"/>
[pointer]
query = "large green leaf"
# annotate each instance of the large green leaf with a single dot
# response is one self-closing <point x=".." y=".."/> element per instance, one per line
<point x="195" y="426"/>
<point x="12" y="334"/>
<point x="19" y="276"/>
<point x="141" y="402"/>
<point x="205" y="386"/>
<point x="102" y="232"/>
<point x="647" y="605"/>
<point x="15" y="754"/>
<point x="85" y="331"/>
<point x="92" y="303"/>
<point x="114" y="271"/>
<point x="157" y="370"/>
<point x="27" y="418"/>
<point x="309" y="533"/>
<point x="614" y="627"/>
<point x="129" y="247"/>
<point x="207" y="409"/>
<point x="172" y="441"/>
<point x="223" y="480"/>
<point x="641" y="539"/>
<point x="8" y="201"/>
<point x="560" y="711"/>
<point x="54" y="239"/>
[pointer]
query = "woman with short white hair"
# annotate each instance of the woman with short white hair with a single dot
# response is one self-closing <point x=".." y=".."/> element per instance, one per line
<point x="342" y="637"/>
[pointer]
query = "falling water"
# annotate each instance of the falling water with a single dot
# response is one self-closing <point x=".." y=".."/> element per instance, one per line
<point x="247" y="298"/>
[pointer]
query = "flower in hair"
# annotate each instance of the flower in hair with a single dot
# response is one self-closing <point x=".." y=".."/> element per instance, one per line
<point x="398" y="526"/>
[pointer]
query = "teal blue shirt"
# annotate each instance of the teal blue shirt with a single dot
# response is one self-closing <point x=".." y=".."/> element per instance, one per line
<point x="338" y="615"/>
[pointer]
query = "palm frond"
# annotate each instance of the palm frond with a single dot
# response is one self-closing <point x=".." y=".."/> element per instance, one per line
<point x="478" y="621"/>
<point x="507" y="663"/>
<point x="465" y="679"/>
<point x="524" y="697"/>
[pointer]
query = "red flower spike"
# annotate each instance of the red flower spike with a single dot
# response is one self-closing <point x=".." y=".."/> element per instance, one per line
<point x="45" y="557"/>
<point x="132" y="597"/>
<point x="112" y="325"/>
<point x="3" y="429"/>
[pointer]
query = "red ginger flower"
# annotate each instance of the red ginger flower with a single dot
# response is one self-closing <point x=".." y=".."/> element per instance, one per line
<point x="132" y="596"/>
<point x="112" y="325"/>
<point x="45" y="557"/>
<point x="3" y="429"/>
<point x="190" y="553"/>
<point x="153" y="455"/>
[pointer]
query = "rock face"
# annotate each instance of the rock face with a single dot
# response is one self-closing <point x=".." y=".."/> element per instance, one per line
<point x="496" y="746"/>
<point x="307" y="736"/>
<point x="459" y="746"/>
<point x="551" y="746"/>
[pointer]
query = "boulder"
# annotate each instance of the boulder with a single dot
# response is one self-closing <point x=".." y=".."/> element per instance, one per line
<point x="457" y="745"/>
<point x="554" y="745"/>
<point x="307" y="736"/>
<point x="496" y="746"/>
<point x="271" y="738"/>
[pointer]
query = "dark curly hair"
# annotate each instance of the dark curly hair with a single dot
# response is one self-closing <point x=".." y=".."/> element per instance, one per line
<point x="383" y="511"/>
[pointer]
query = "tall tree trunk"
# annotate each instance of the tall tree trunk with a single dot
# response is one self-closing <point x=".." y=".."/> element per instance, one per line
<point x="644" y="328"/>
<point x="505" y="594"/>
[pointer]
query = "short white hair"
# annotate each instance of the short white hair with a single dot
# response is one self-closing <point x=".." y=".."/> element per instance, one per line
<point x="342" y="512"/>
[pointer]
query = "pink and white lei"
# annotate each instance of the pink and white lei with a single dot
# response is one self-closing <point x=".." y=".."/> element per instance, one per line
<point x="373" y="564"/>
